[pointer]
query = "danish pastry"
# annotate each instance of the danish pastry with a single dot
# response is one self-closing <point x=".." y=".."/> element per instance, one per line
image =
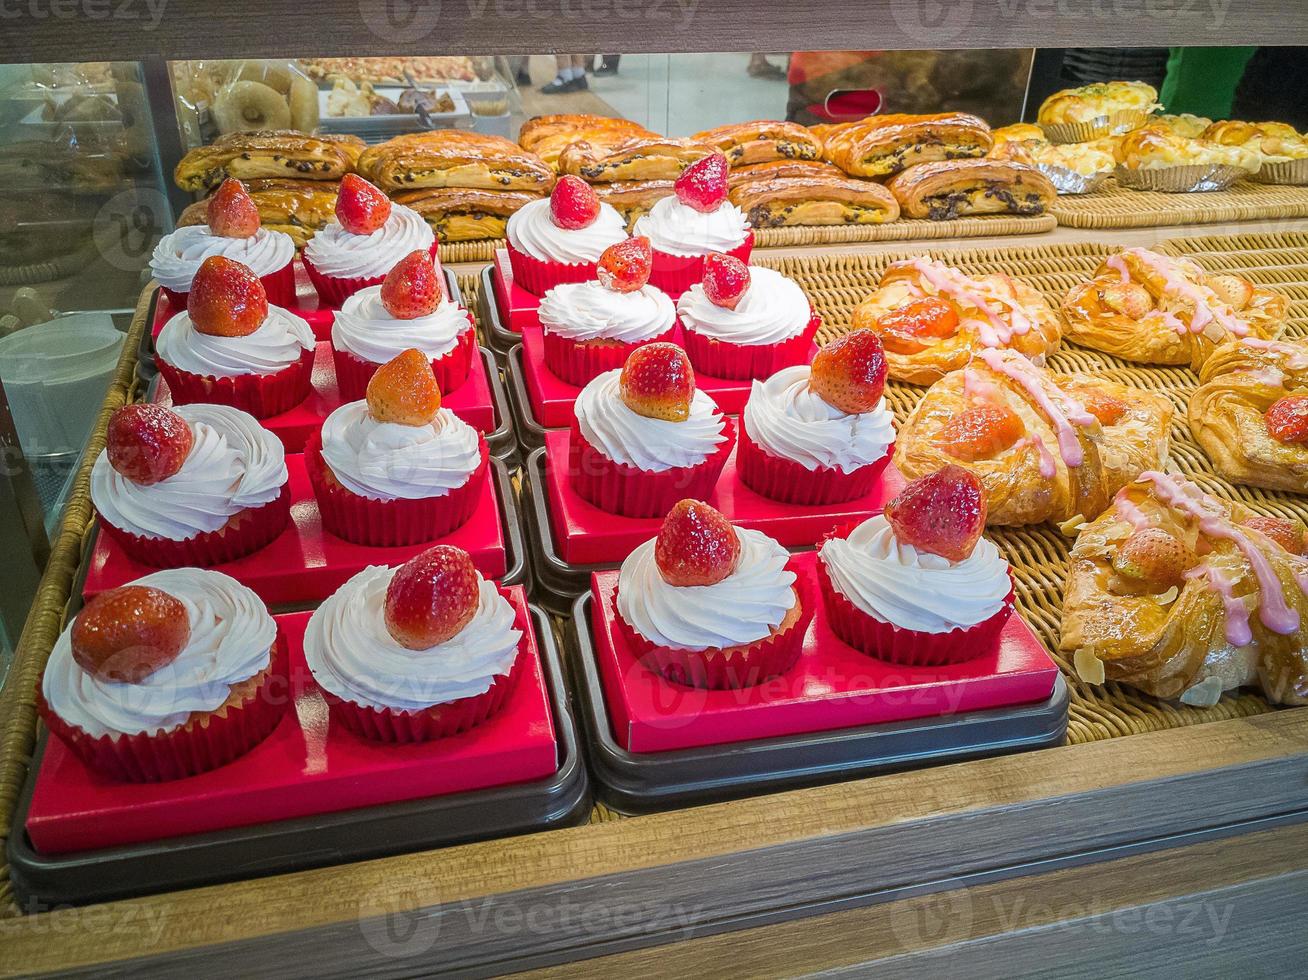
<point x="1153" y="147"/>
<point x="824" y="196"/>
<point x="1046" y="446"/>
<point x="272" y="154"/>
<point x="546" y="136"/>
<point x="1185" y="595"/>
<point x="879" y="146"/>
<point x="633" y="198"/>
<point x="1148" y="308"/>
<point x="761" y="141"/>
<point x="638" y="158"/>
<point x="297" y="207"/>
<point x="1115" y="106"/>
<point x="1250" y="413"/>
<point x="461" y="214"/>
<point x="954" y="188"/>
<point x="454" y="158"/>
<point x="932" y="318"/>
<point x="1182" y="123"/>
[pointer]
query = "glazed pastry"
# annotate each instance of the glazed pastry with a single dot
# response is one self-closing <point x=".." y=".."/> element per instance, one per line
<point x="1146" y="307"/>
<point x="1073" y="168"/>
<point x="1280" y="148"/>
<point x="560" y="239"/>
<point x="1250" y="413"/>
<point x="275" y="153"/>
<point x="546" y="136"/>
<point x="1017" y="133"/>
<point x="1046" y="446"/>
<point x="933" y="318"/>
<point x="710" y="605"/>
<point x="459" y="214"/>
<point x="776" y="169"/>
<point x="298" y="208"/>
<point x="1098" y="109"/>
<point x="1182" y="124"/>
<point x="879" y="146"/>
<point x="199" y="485"/>
<point x="956" y="188"/>
<point x="632" y="198"/>
<point x="919" y="584"/>
<point x="450" y="158"/>
<point x="1186" y="595"/>
<point x="761" y="141"/>
<point x="426" y="650"/>
<point x="822" y="196"/>
<point x="1152" y="149"/>
<point x="638" y="158"/>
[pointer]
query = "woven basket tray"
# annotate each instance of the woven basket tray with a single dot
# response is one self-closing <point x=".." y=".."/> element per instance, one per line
<point x="1117" y="207"/>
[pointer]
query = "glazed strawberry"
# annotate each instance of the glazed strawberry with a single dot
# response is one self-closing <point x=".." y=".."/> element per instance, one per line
<point x="574" y="203"/>
<point x="147" y="443"/>
<point x="725" y="279"/>
<point x="361" y="208"/>
<point x="231" y="211"/>
<point x="624" y="267"/>
<point x="404" y="390"/>
<point x="412" y="288"/>
<point x="1287" y="420"/>
<point x="431" y="597"/>
<point x="1154" y="557"/>
<point x="128" y="633"/>
<point x="226" y="299"/>
<point x="658" y="382"/>
<point x="1235" y="291"/>
<point x="696" y="545"/>
<point x="980" y="432"/>
<point x="905" y="330"/>
<point x="849" y="373"/>
<point x="1127" y="298"/>
<point x="1288" y="534"/>
<point x="703" y="185"/>
<point x="942" y="513"/>
<point x="1103" y="406"/>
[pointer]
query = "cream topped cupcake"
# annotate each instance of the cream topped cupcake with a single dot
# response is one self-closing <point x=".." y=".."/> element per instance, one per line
<point x="711" y="605"/>
<point x="559" y="240"/>
<point x="416" y="652"/>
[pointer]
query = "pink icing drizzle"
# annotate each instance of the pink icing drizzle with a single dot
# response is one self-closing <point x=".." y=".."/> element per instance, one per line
<point x="1181" y="288"/>
<point x="1238" y="631"/>
<point x="1047" y="465"/>
<point x="995" y="331"/>
<point x="977" y="388"/>
<point x="1130" y="513"/>
<point x="1296" y="357"/>
<point x="1020" y="370"/>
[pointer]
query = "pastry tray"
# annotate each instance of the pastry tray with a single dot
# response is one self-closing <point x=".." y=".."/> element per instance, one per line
<point x="559" y="799"/>
<point x="643" y="782"/>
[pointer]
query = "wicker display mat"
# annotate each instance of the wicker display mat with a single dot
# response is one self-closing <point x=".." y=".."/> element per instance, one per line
<point x="1117" y="207"/>
<point x="482" y="250"/>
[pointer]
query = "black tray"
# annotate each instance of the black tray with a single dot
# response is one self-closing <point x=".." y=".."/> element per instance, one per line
<point x="307" y="842"/>
<point x="557" y="583"/>
<point x="643" y="782"/>
<point x="530" y="432"/>
<point x="498" y="337"/>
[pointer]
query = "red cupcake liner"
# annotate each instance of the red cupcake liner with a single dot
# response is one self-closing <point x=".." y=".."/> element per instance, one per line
<point x="245" y="533"/>
<point x="674" y="274"/>
<point x="907" y="647"/>
<point x="262" y="395"/>
<point x="387" y="523"/>
<point x="631" y="492"/>
<point x="335" y="290"/>
<point x="203" y="742"/>
<point x="438" y="721"/>
<point x="743" y="666"/>
<point x="538" y="277"/>
<point x="578" y="362"/>
<point x="451" y="369"/>
<point x="790" y="482"/>
<point x="279" y="285"/>
<point x="741" y="362"/>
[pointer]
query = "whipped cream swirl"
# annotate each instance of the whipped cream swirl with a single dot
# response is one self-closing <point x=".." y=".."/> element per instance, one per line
<point x="232" y="636"/>
<point x="345" y="255"/>
<point x="234" y="464"/>
<point x="676" y="229"/>
<point x="788" y="419"/>
<point x="649" y="444"/>
<point x="366" y="329"/>
<point x="278" y="343"/>
<point x="179" y="254"/>
<point x="351" y="653"/>
<point x="744" y="607"/>
<point x="773" y="309"/>
<point x="911" y="589"/>
<point x="391" y="461"/>
<point x="589" y="311"/>
<point x="532" y="231"/>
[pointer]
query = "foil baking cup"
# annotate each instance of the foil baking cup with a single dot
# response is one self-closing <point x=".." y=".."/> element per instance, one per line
<point x="1114" y="124"/>
<point x="1285" y="172"/>
<point x="1182" y="179"/>
<point x="1067" y="181"/>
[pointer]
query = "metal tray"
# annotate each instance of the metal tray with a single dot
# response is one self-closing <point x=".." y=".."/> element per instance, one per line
<point x="530" y="432"/>
<point x="498" y="337"/>
<point x="558" y="584"/>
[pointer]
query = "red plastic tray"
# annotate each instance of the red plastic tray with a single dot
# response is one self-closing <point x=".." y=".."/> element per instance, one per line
<point x="306" y="564"/>
<point x="832" y="686"/>
<point x="307" y="766"/>
<point x="518" y="308"/>
<point x="471" y="401"/>
<point x="586" y="535"/>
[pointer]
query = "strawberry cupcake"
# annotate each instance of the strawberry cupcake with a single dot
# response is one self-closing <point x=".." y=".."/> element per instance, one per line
<point x="396" y="468"/>
<point x="823" y="434"/>
<point x="696" y="220"/>
<point x="177" y="673"/>
<point x="198" y="485"/>
<point x="369" y="236"/>
<point x="710" y="605"/>
<point x="423" y="651"/>
<point x="407" y="311"/>
<point x="230" y="347"/>
<point x="919" y="585"/>
<point x="592" y="327"/>
<point x="743" y="322"/>
<point x="644" y="437"/>
<point x="560" y="239"/>
<point x="233" y="230"/>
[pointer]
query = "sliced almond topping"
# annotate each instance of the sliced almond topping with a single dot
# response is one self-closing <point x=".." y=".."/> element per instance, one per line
<point x="1088" y="667"/>
<point x="1205" y="694"/>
